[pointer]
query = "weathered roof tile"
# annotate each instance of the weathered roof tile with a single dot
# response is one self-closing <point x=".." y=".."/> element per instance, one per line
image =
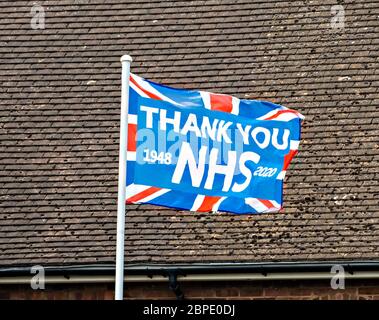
<point x="59" y="123"/>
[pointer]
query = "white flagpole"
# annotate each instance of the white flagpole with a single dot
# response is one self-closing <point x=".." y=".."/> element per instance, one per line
<point x="125" y="74"/>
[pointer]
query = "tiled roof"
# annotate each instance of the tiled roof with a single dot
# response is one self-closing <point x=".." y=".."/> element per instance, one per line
<point x="59" y="126"/>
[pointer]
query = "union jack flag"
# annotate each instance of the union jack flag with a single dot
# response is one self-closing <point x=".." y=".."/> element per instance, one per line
<point x="254" y="109"/>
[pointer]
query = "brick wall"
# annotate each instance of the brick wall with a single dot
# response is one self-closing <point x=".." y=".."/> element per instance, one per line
<point x="354" y="289"/>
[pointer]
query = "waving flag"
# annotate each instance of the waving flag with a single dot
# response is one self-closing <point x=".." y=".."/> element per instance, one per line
<point x="201" y="151"/>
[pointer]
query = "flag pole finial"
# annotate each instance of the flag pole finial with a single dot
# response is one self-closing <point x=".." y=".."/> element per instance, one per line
<point x="126" y="57"/>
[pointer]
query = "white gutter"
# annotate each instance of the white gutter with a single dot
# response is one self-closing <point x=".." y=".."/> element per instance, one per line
<point x="192" y="277"/>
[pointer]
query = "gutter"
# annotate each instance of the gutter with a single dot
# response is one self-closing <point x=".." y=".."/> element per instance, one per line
<point x="105" y="273"/>
<point x="97" y="279"/>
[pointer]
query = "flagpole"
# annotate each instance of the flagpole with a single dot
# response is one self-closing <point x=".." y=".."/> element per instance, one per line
<point x="125" y="74"/>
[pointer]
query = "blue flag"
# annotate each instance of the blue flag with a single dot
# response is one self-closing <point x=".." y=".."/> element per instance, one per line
<point x="200" y="151"/>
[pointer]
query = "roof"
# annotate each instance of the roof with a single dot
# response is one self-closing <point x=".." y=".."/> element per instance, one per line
<point x="59" y="127"/>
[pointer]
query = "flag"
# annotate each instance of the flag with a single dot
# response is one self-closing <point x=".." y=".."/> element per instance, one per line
<point x="201" y="151"/>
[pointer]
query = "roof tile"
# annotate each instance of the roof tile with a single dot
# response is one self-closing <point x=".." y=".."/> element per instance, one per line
<point x="59" y="134"/>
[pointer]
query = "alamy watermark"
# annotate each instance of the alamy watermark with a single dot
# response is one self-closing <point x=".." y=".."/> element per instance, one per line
<point x="337" y="281"/>
<point x="337" y="21"/>
<point x="38" y="280"/>
<point x="38" y="17"/>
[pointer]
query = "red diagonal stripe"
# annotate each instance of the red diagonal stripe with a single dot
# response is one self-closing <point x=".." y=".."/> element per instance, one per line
<point x="288" y="158"/>
<point x="139" y="196"/>
<point x="267" y="203"/>
<point x="132" y="134"/>
<point x="281" y="112"/>
<point x="151" y="95"/>
<point x="221" y="102"/>
<point x="208" y="203"/>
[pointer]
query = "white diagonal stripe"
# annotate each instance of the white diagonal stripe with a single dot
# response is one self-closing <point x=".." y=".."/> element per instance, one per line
<point x="133" y="189"/>
<point x="206" y="99"/>
<point x="148" y="87"/>
<point x="256" y="204"/>
<point x="294" y="144"/>
<point x="154" y="195"/>
<point x="198" y="202"/>
<point x="131" y="156"/>
<point x="217" y="204"/>
<point x="287" y="116"/>
<point x="281" y="175"/>
<point x="132" y="118"/>
<point x="235" y="106"/>
<point x="138" y="90"/>
<point x="268" y="115"/>
<point x="275" y="204"/>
